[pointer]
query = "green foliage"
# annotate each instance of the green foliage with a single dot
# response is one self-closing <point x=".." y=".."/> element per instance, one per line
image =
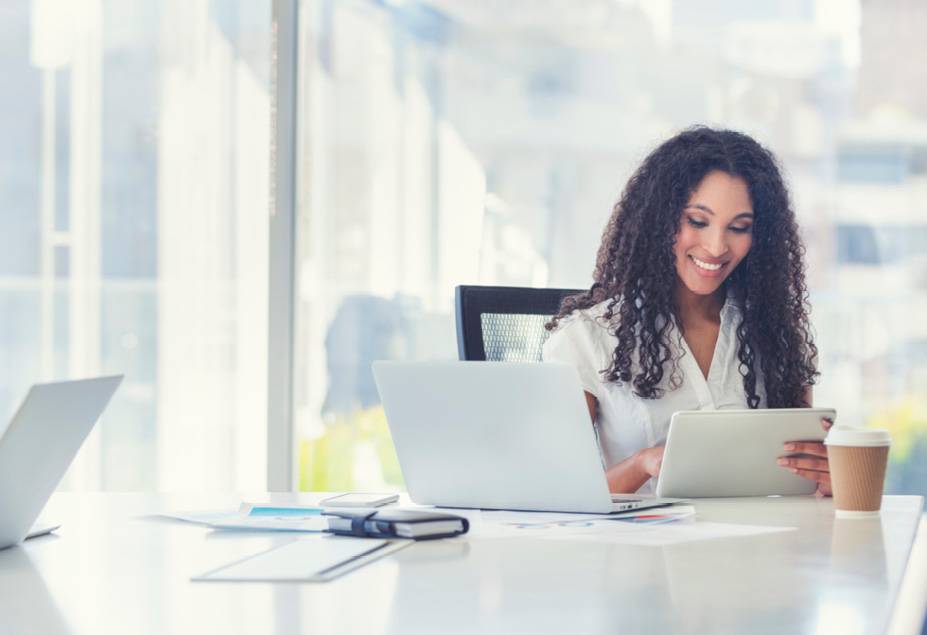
<point x="341" y="459"/>
<point x="906" y="421"/>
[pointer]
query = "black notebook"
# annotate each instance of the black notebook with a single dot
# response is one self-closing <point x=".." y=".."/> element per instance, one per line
<point x="394" y="523"/>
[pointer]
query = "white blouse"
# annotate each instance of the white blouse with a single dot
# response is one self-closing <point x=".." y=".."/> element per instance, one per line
<point x="627" y="423"/>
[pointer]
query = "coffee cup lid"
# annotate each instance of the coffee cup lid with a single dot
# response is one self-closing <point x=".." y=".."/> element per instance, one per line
<point x="865" y="437"/>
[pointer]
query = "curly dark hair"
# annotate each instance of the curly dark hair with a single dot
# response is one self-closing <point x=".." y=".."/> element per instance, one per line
<point x="635" y="271"/>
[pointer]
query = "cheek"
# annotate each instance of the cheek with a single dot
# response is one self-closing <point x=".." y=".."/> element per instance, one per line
<point x="685" y="239"/>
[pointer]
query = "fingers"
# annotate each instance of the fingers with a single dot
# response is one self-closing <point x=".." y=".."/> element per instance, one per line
<point x="804" y="463"/>
<point x="822" y="478"/>
<point x="824" y="489"/>
<point x="814" y="465"/>
<point x="814" y="448"/>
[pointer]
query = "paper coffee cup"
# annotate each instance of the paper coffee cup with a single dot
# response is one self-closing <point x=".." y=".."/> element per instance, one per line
<point x="857" y="458"/>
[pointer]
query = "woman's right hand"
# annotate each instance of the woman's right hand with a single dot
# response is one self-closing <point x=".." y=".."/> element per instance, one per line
<point x="651" y="459"/>
<point x="630" y="474"/>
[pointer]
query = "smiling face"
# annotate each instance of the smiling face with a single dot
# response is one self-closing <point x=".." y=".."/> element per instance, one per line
<point x="715" y="232"/>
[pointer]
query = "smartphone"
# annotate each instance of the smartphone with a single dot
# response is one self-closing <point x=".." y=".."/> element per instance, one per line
<point x="359" y="499"/>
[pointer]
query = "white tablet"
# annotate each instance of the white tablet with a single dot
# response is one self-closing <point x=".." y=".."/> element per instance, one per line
<point x="714" y="453"/>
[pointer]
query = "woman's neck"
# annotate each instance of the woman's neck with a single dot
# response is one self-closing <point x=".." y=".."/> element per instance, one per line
<point x="692" y="307"/>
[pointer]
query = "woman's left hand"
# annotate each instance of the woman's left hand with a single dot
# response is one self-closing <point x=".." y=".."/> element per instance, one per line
<point x="813" y="465"/>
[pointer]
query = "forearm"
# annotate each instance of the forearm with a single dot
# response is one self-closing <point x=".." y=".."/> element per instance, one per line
<point x="627" y="476"/>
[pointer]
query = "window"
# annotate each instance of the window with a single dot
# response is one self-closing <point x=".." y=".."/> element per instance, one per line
<point x="134" y="189"/>
<point x="446" y="143"/>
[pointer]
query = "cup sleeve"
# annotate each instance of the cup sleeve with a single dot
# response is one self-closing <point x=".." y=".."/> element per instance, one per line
<point x="573" y="342"/>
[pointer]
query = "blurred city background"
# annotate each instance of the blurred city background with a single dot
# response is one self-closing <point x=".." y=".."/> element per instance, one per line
<point x="439" y="142"/>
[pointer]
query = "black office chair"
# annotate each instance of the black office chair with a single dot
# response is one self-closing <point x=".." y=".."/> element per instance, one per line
<point x="505" y="323"/>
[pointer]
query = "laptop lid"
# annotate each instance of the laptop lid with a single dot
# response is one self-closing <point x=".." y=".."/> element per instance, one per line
<point x="493" y="435"/>
<point x="40" y="443"/>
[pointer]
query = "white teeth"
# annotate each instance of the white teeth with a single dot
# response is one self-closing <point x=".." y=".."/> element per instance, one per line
<point x="705" y="265"/>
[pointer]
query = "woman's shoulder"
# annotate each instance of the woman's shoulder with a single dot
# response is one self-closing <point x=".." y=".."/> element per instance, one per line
<point x="598" y="316"/>
<point x="583" y="339"/>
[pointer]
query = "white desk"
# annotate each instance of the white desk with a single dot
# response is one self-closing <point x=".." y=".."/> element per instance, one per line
<point x="108" y="571"/>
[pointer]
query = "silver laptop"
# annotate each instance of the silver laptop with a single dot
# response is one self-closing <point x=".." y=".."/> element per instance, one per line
<point x="497" y="435"/>
<point x="39" y="445"/>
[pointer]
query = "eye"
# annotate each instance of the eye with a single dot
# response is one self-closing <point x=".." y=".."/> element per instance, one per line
<point x="695" y="223"/>
<point x="742" y="230"/>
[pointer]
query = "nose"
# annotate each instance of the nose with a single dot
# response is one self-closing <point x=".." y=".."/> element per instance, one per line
<point x="715" y="243"/>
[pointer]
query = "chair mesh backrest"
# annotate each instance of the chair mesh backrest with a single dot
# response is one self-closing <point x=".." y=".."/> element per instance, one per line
<point x="513" y="337"/>
<point x="505" y="323"/>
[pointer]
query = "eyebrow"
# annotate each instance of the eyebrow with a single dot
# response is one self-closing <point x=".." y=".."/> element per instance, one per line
<point x="705" y="208"/>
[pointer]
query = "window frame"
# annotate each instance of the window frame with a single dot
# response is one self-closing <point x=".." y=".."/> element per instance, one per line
<point x="281" y="475"/>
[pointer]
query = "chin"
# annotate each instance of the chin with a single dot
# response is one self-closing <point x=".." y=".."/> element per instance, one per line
<point x="699" y="287"/>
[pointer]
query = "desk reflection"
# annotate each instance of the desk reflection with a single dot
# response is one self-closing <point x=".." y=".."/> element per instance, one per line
<point x="26" y="604"/>
<point x="857" y="553"/>
<point x="492" y="586"/>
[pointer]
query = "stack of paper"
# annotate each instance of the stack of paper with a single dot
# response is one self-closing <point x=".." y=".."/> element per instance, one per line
<point x="652" y="527"/>
<point x="316" y="558"/>
<point x="258" y="518"/>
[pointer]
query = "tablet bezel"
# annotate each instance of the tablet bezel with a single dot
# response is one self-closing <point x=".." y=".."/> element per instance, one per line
<point x="725" y="453"/>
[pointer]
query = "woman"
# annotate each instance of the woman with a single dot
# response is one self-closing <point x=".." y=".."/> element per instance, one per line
<point x="698" y="302"/>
